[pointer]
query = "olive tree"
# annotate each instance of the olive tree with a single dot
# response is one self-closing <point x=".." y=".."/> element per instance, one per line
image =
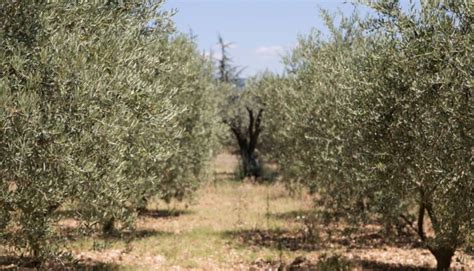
<point x="34" y="170"/>
<point x="378" y="117"/>
<point x="307" y="111"/>
<point x="244" y="120"/>
<point x="241" y="111"/>
<point x="198" y="123"/>
<point x="99" y="109"/>
<point x="417" y="115"/>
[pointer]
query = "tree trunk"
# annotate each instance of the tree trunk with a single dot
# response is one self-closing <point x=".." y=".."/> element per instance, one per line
<point x="421" y="218"/>
<point x="108" y="227"/>
<point x="443" y="257"/>
<point x="250" y="164"/>
<point x="443" y="252"/>
<point x="142" y="205"/>
<point x="247" y="138"/>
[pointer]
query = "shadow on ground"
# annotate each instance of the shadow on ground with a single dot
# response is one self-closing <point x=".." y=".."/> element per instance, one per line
<point x="332" y="263"/>
<point x="28" y="264"/>
<point x="340" y="232"/>
<point x="137" y="234"/>
<point x="302" y="264"/>
<point x="71" y="229"/>
<point x="375" y="265"/>
<point x="324" y="239"/>
<point x="73" y="233"/>
<point x="156" y="213"/>
<point x="163" y="213"/>
<point x="277" y="239"/>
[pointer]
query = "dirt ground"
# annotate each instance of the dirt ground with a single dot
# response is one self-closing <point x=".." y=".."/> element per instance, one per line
<point x="233" y="225"/>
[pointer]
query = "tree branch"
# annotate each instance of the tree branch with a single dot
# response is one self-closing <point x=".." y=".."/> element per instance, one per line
<point x="256" y="129"/>
<point x="251" y="123"/>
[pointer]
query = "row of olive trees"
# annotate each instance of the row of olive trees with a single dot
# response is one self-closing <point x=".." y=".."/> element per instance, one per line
<point x="102" y="106"/>
<point x="378" y="117"/>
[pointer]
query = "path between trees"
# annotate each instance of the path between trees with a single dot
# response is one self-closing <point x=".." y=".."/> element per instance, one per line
<point x="242" y="225"/>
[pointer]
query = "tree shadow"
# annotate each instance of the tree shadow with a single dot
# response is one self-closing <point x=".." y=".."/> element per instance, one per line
<point x="376" y="265"/>
<point x="324" y="237"/>
<point x="154" y="213"/>
<point x="358" y="240"/>
<point x="333" y="263"/>
<point x="28" y="263"/>
<point x="73" y="234"/>
<point x="319" y="235"/>
<point x="341" y="232"/>
<point x="131" y="235"/>
<point x="95" y="266"/>
<point x="373" y="238"/>
<point x="160" y="213"/>
<point x="276" y="239"/>
<point x="300" y="240"/>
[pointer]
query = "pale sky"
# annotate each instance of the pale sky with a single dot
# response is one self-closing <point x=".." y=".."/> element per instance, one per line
<point x="260" y="30"/>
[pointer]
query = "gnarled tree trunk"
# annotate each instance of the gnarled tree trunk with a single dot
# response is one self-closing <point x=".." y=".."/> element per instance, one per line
<point x="250" y="164"/>
<point x="108" y="227"/>
<point x="421" y="219"/>
<point x="421" y="216"/>
<point x="443" y="257"/>
<point x="247" y="138"/>
<point x="443" y="252"/>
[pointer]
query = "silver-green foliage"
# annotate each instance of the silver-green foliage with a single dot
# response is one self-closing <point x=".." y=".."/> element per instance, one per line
<point x="96" y="109"/>
<point x="379" y="115"/>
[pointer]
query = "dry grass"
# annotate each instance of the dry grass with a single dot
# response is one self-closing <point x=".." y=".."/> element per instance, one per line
<point x="240" y="226"/>
<point x="205" y="235"/>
